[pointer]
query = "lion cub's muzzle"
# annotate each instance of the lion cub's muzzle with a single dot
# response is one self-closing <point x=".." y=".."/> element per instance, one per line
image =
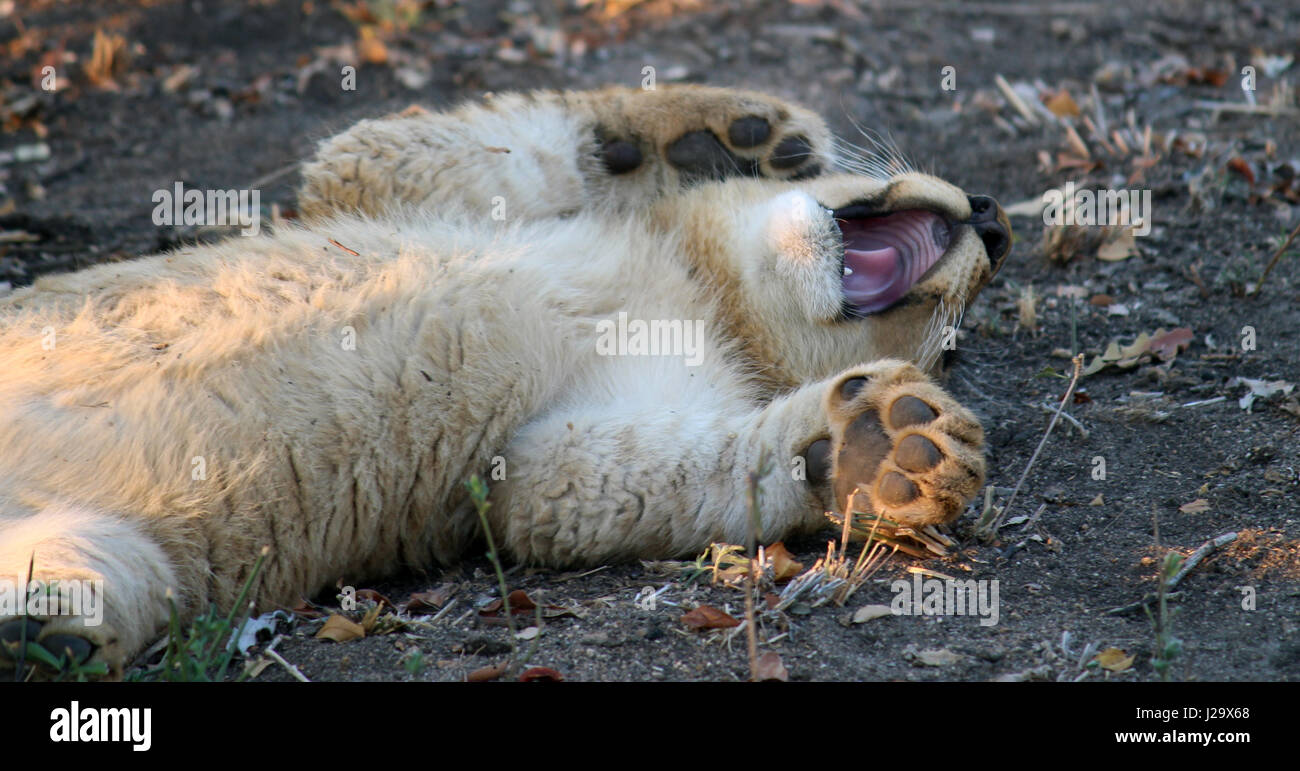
<point x="992" y="226"/>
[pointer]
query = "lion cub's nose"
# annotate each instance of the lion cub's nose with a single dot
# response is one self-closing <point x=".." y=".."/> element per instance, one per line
<point x="992" y="226"/>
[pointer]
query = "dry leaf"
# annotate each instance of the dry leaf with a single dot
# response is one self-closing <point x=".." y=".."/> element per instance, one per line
<point x="541" y="675"/>
<point x="1113" y="659"/>
<point x="1162" y="345"/>
<point x="1242" y="169"/>
<point x="308" y="609"/>
<point x="769" y="668"/>
<point x="1062" y="105"/>
<point x="528" y="633"/>
<point x="433" y="599"/>
<point x="368" y="621"/>
<point x="520" y="601"/>
<point x="1259" y="389"/>
<point x="870" y="612"/>
<point x="1198" y="506"/>
<point x="340" y="629"/>
<point x="1121" y="246"/>
<point x="1167" y="345"/>
<point x="370" y="48"/>
<point x="373" y="596"/>
<point x="708" y="617"/>
<point x="938" y="658"/>
<point x="484" y="674"/>
<point x="784" y="566"/>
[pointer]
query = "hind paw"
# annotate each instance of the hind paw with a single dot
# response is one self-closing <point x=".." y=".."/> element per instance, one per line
<point x="901" y="447"/>
<point x="57" y="648"/>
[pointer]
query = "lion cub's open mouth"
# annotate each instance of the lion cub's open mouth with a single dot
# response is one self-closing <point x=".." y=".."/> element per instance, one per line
<point x="885" y="255"/>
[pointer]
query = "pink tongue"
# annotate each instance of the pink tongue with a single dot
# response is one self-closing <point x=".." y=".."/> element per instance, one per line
<point x="872" y="269"/>
<point x="886" y="256"/>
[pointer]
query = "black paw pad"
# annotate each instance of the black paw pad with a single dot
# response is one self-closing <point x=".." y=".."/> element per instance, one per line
<point x="791" y="152"/>
<point x="11" y="633"/>
<point x="910" y="411"/>
<point x="865" y="446"/>
<point x="850" y="388"/>
<point x="70" y="647"/>
<point x="896" y="489"/>
<point x="817" y="461"/>
<point x="916" y="453"/>
<point x="749" y="131"/>
<point x="620" y="156"/>
<point x="699" y="155"/>
<point x="808" y="172"/>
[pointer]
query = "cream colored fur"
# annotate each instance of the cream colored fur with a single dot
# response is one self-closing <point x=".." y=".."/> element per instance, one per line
<point x="161" y="420"/>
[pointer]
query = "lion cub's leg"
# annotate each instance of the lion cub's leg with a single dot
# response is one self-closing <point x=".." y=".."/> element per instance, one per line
<point x="548" y="154"/>
<point x="593" y="486"/>
<point x="105" y="583"/>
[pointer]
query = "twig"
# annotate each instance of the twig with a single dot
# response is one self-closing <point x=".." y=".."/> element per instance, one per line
<point x="352" y="252"/>
<point x="1254" y="109"/>
<point x="290" y="667"/>
<point x="1015" y="100"/>
<point x="1200" y="554"/>
<point x="1191" y="562"/>
<point x="1073" y="421"/>
<point x="445" y="608"/>
<point x="1074" y="381"/>
<point x="1273" y="261"/>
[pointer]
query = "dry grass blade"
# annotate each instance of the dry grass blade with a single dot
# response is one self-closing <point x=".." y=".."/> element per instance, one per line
<point x="1074" y="381"/>
<point x="1277" y="256"/>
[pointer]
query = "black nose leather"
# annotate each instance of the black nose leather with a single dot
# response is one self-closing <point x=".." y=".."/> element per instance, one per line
<point x="992" y="226"/>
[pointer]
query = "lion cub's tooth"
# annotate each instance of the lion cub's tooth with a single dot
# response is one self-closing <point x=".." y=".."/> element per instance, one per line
<point x="848" y="271"/>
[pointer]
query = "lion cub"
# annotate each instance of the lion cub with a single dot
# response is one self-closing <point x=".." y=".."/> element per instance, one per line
<point x="607" y="303"/>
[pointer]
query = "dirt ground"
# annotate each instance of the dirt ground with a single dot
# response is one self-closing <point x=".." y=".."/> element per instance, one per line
<point x="233" y="94"/>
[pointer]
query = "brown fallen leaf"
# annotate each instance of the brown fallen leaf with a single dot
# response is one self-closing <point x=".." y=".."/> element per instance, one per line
<point x="1062" y="105"/>
<point x="484" y="674"/>
<point x="1167" y="345"/>
<point x="370" y="48"/>
<point x="1198" y="506"/>
<point x="1162" y="345"/>
<point x="340" y="629"/>
<point x="433" y="599"/>
<point x="541" y="675"/>
<point x="1114" y="660"/>
<point x="770" y="669"/>
<point x="307" y="609"/>
<point x="1242" y="169"/>
<point x="520" y="601"/>
<point x="784" y="566"/>
<point x="708" y="617"/>
<point x="374" y="596"/>
<point x="109" y="60"/>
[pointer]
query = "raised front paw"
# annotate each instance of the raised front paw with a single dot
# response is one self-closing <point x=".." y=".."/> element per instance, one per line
<point x="704" y="133"/>
<point x="901" y="445"/>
